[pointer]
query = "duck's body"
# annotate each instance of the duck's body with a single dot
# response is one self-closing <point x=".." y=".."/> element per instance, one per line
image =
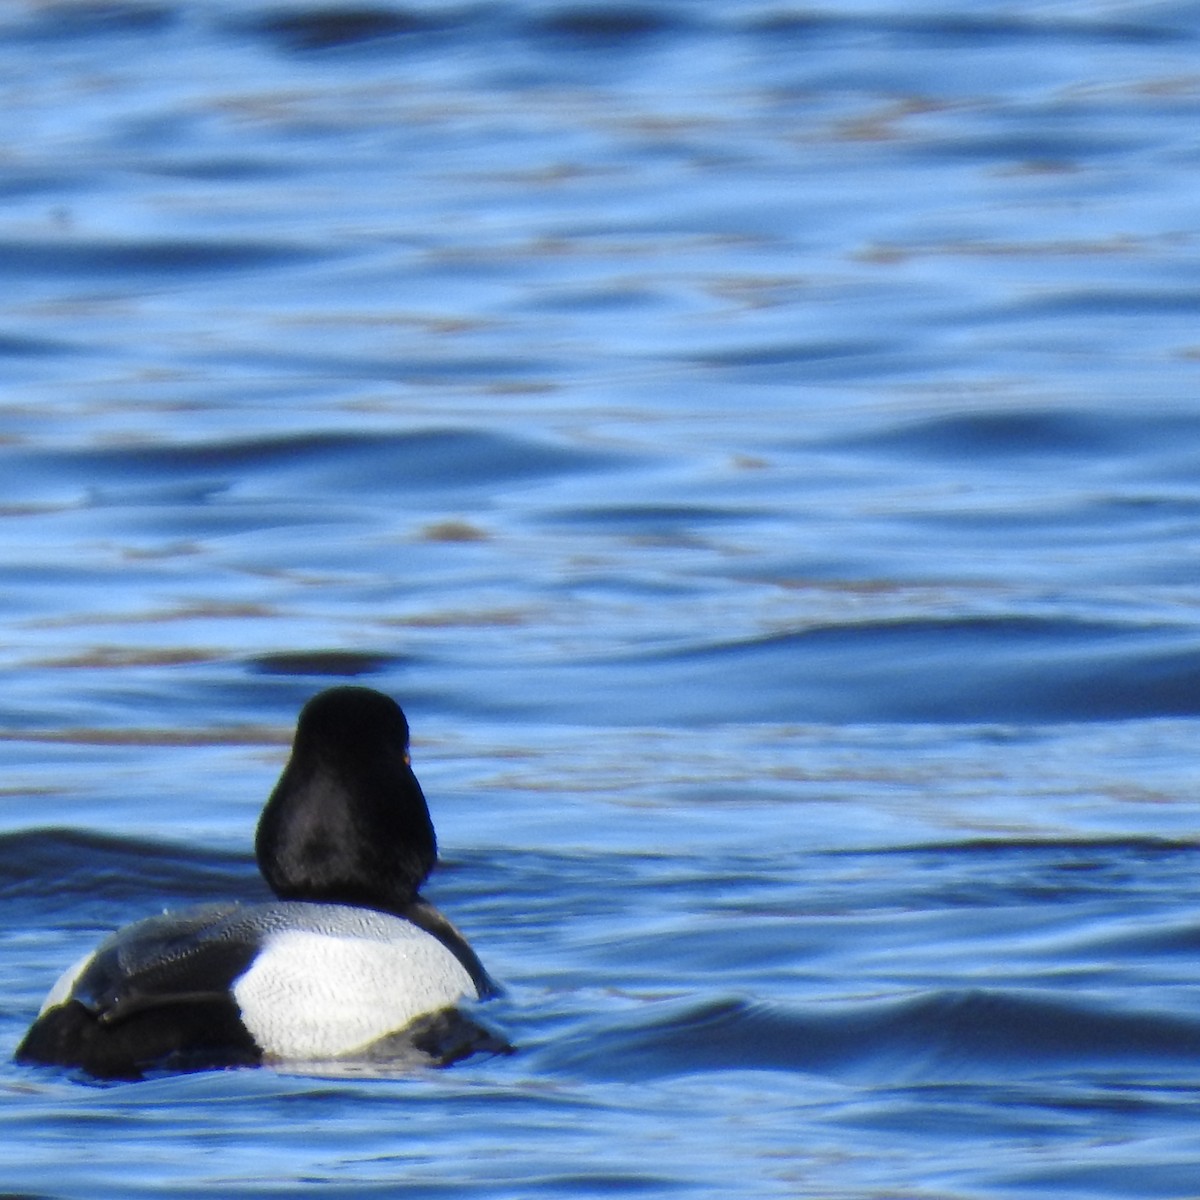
<point x="350" y="962"/>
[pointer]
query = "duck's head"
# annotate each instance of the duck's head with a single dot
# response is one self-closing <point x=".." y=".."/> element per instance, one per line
<point x="347" y="822"/>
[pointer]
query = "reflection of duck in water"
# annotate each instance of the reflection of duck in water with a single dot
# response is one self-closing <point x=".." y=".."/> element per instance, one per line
<point x="349" y="963"/>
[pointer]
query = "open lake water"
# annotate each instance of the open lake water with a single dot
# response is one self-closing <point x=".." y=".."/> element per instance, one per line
<point x="759" y="445"/>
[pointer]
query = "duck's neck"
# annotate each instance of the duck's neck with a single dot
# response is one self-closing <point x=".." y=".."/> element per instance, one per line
<point x="347" y="833"/>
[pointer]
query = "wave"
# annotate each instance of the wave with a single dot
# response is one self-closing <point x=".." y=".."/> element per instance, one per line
<point x="429" y="463"/>
<point x="70" y="875"/>
<point x="941" y="1036"/>
<point x="307" y="29"/>
<point x="970" y="670"/>
<point x="1038" y="433"/>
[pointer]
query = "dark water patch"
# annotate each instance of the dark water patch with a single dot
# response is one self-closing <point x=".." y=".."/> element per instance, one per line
<point x="1017" y="872"/>
<point x="936" y="1037"/>
<point x="319" y="464"/>
<point x="158" y="515"/>
<point x="619" y="297"/>
<point x="1145" y="507"/>
<point x="321" y="663"/>
<point x="14" y="345"/>
<point x="1145" y="1180"/>
<point x="1035" y="142"/>
<point x="1152" y="443"/>
<point x="605" y="28"/>
<point x="958" y="30"/>
<point x="604" y="1183"/>
<point x="1099" y="302"/>
<point x="21" y="182"/>
<point x="976" y="670"/>
<point x="798" y="354"/>
<point x="415" y="369"/>
<point x="305" y="29"/>
<point x="64" y="874"/>
<point x="759" y="949"/>
<point x="1177" y="940"/>
<point x="77" y="257"/>
<point x="1069" y="523"/>
<point x="961" y="30"/>
<point x="422" y="459"/>
<point x="1078" y="853"/>
<point x="229" y="168"/>
<point x="1034" y="433"/>
<point x="648" y="519"/>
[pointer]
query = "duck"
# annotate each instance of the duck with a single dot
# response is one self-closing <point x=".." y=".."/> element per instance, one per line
<point x="348" y="964"/>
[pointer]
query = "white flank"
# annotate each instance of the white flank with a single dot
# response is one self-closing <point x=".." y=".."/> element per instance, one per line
<point x="314" y="995"/>
<point x="61" y="991"/>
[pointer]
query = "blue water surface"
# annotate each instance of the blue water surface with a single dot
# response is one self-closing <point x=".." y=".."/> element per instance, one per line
<point x="759" y="446"/>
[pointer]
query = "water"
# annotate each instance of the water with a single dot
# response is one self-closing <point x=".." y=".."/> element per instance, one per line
<point x="757" y="444"/>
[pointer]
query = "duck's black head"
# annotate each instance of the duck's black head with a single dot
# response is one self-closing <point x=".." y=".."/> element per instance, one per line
<point x="347" y="822"/>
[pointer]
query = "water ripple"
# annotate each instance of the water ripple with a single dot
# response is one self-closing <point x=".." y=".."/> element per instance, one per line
<point x="940" y="1037"/>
